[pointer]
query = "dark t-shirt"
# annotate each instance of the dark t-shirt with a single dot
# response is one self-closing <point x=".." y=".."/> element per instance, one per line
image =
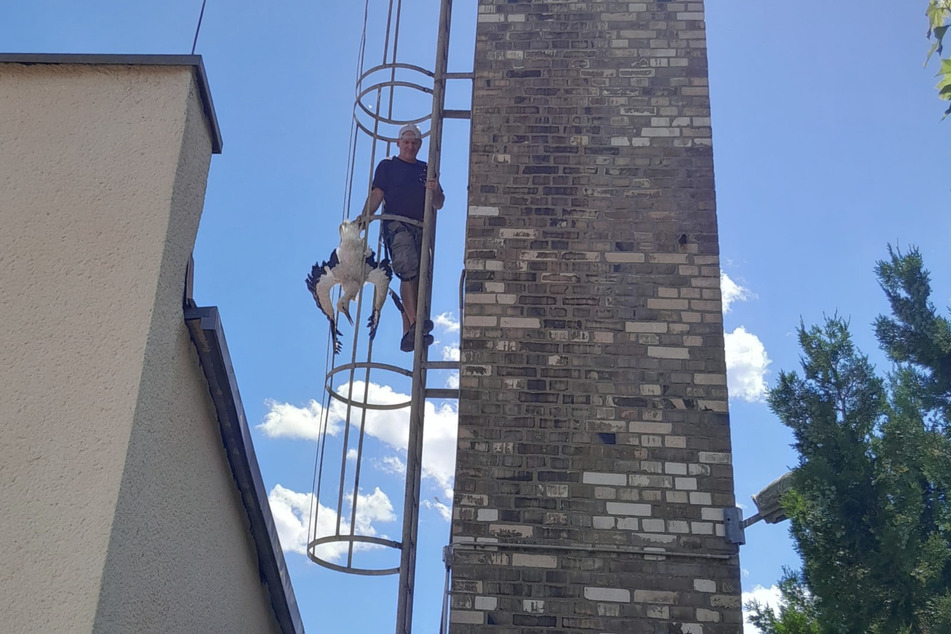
<point x="403" y="185"/>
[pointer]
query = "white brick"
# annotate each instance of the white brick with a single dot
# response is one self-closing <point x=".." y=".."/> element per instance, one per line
<point x="708" y="615"/>
<point x="677" y="442"/>
<point x="650" y="481"/>
<point x="711" y="514"/>
<point x="521" y="560"/>
<point x="479" y="321"/>
<point x="610" y="479"/>
<point x="627" y="523"/>
<point x="520" y="322"/>
<point x="618" y="595"/>
<point x="645" y="326"/>
<point x="486" y="603"/>
<point x="703" y="499"/>
<point x="676" y="497"/>
<point x="476" y="210"/>
<point x="602" y="522"/>
<point x="668" y="304"/>
<point x="712" y="457"/>
<point x="622" y="508"/>
<point x="652" y="466"/>
<point x="675" y="468"/>
<point x="704" y="585"/>
<point x="653" y="526"/>
<point x="533" y="606"/>
<point x="685" y="484"/>
<point x="678" y="526"/>
<point x="487" y="515"/>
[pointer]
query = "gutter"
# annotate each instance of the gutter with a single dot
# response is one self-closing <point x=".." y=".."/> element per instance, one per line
<point x="204" y="324"/>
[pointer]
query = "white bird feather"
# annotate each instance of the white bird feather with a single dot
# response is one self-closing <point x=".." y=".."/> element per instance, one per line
<point x="352" y="264"/>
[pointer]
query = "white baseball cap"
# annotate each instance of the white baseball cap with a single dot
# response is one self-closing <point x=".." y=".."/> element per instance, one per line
<point x="412" y="130"/>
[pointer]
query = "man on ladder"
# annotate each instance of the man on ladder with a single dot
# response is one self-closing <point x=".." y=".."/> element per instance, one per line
<point x="400" y="183"/>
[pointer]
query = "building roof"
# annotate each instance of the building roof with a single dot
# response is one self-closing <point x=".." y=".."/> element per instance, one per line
<point x="133" y="60"/>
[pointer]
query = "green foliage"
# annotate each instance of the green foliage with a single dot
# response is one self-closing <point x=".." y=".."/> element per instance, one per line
<point x="869" y="506"/>
<point x="939" y="20"/>
<point x="916" y="336"/>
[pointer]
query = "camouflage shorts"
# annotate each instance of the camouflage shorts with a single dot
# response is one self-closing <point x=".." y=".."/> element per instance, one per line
<point x="404" y="241"/>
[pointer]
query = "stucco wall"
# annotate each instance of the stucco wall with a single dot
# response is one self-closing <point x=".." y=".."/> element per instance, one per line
<point x="180" y="556"/>
<point x="119" y="509"/>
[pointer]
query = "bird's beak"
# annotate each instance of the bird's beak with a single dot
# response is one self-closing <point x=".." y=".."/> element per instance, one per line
<point x="346" y="313"/>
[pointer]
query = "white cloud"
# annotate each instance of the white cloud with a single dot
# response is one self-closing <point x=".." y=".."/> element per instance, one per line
<point x="766" y="596"/>
<point x="388" y="426"/>
<point x="375" y="507"/>
<point x="447" y="321"/>
<point x="451" y="353"/>
<point x="287" y="421"/>
<point x="392" y="464"/>
<point x="444" y="511"/>
<point x="731" y="292"/>
<point x="291" y="511"/>
<point x="746" y="365"/>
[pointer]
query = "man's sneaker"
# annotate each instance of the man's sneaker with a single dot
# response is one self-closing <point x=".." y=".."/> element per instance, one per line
<point x="408" y="340"/>
<point x="427" y="328"/>
<point x="406" y="343"/>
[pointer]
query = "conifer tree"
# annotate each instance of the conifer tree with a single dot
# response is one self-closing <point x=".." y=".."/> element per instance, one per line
<point x="869" y="506"/>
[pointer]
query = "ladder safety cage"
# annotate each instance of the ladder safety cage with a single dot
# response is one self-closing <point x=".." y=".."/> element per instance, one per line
<point x="388" y="95"/>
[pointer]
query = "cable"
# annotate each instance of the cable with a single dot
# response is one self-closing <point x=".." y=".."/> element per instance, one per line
<point x="198" y="28"/>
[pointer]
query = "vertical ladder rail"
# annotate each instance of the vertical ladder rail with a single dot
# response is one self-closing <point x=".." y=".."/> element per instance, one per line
<point x="414" y="452"/>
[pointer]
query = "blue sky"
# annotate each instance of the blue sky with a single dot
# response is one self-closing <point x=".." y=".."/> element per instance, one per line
<point x="828" y="146"/>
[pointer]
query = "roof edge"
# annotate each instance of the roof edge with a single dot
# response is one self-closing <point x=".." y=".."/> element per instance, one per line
<point x="204" y="324"/>
<point x="194" y="61"/>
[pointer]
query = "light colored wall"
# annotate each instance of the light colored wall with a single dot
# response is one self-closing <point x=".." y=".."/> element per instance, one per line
<point x="119" y="511"/>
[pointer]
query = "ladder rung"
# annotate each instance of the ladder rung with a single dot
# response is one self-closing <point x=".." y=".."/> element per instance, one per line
<point x="456" y="114"/>
<point x="436" y="392"/>
<point x="442" y="365"/>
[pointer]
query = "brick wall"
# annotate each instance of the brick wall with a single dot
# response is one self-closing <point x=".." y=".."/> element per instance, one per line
<point x="594" y="445"/>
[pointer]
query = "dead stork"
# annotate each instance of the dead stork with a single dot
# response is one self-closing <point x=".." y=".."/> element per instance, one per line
<point x="352" y="264"/>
